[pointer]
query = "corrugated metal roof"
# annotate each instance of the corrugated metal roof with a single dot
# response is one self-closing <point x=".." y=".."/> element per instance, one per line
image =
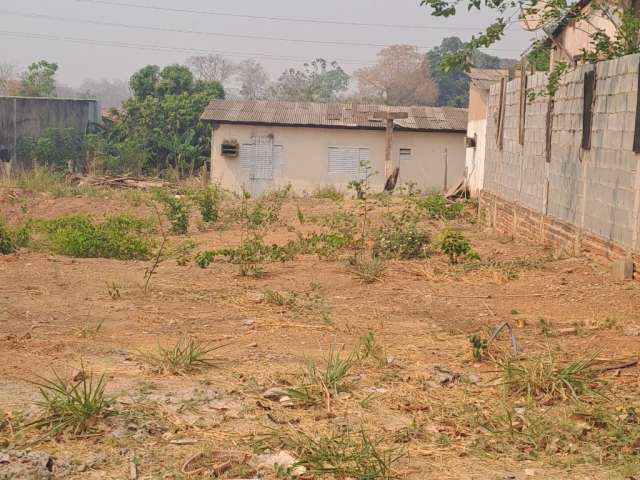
<point x="483" y="78"/>
<point x="333" y="115"/>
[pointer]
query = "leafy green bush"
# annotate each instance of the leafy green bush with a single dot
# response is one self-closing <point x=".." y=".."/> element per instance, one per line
<point x="401" y="241"/>
<point x="266" y="210"/>
<point x="208" y="200"/>
<point x="325" y="245"/>
<point x="7" y="242"/>
<point x="252" y="253"/>
<point x="455" y="245"/>
<point x="204" y="259"/>
<point x="437" y="206"/>
<point x="119" y="236"/>
<point x="56" y="148"/>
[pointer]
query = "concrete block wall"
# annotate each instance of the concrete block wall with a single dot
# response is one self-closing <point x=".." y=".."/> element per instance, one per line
<point x="29" y="117"/>
<point x="596" y="191"/>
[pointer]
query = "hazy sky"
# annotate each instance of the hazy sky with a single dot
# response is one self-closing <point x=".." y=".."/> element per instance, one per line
<point x="90" y="50"/>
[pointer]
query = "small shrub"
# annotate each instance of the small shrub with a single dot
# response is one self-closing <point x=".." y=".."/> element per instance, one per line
<point x="266" y="210"/>
<point x="329" y="379"/>
<point x="541" y="377"/>
<point x="208" y="200"/>
<point x="479" y="347"/>
<point x="329" y="192"/>
<point x="252" y="253"/>
<point x="401" y="241"/>
<point x="281" y="299"/>
<point x="368" y="269"/>
<point x="119" y="236"/>
<point x="184" y="252"/>
<point x="176" y="209"/>
<point x="325" y="245"/>
<point x="71" y="404"/>
<point x="7" y="242"/>
<point x="340" y="455"/>
<point x="185" y="356"/>
<point x="455" y="245"/>
<point x="438" y="207"/>
<point x="204" y="259"/>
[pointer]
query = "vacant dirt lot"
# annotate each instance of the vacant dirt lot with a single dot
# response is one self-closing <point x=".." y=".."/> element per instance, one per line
<point x="413" y="389"/>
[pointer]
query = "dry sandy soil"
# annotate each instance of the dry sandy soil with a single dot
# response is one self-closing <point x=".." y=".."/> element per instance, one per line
<point x="57" y="312"/>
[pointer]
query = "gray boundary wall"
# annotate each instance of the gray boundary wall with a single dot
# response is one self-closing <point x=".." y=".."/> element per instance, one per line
<point x="29" y="117"/>
<point x="596" y="190"/>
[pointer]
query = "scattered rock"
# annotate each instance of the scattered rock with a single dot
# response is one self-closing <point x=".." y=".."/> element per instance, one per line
<point x="343" y="396"/>
<point x="444" y="376"/>
<point x="267" y="462"/>
<point x="473" y="379"/>
<point x="529" y="472"/>
<point x="275" y="394"/>
<point x="632" y="331"/>
<point x="26" y="465"/>
<point x="248" y="322"/>
<point x="255" y="297"/>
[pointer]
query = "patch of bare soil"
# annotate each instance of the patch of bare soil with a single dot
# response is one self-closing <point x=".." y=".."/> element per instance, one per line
<point x="413" y="386"/>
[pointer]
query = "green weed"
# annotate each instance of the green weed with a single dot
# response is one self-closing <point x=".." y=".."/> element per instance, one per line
<point x="455" y="245"/>
<point x="368" y="269"/>
<point x="185" y="356"/>
<point x="329" y="192"/>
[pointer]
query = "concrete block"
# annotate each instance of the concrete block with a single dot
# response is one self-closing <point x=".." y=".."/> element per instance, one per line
<point x="622" y="269"/>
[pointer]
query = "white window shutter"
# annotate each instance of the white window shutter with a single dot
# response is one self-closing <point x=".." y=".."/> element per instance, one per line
<point x="263" y="164"/>
<point x="345" y="160"/>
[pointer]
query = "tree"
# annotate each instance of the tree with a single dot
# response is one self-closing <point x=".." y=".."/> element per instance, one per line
<point x="621" y="14"/>
<point x="174" y="80"/>
<point x="39" y="80"/>
<point x="160" y="126"/>
<point x="144" y="82"/>
<point x="212" y="68"/>
<point x="9" y="82"/>
<point x="318" y="82"/>
<point x="453" y="83"/>
<point x="401" y="76"/>
<point x="254" y="81"/>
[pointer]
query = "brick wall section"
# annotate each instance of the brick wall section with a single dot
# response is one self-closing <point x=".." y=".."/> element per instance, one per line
<point x="585" y="199"/>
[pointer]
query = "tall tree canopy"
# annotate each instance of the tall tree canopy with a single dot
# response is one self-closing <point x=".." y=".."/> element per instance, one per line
<point x="212" y="68"/>
<point x="401" y="76"/>
<point x="453" y="83"/>
<point x="254" y="81"/>
<point x="160" y="126"/>
<point x="318" y="81"/>
<point x="39" y="80"/>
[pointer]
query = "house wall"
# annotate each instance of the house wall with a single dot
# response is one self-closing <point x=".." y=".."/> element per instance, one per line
<point x="29" y="117"/>
<point x="578" y="194"/>
<point x="305" y="157"/>
<point x="477" y="128"/>
<point x="577" y="36"/>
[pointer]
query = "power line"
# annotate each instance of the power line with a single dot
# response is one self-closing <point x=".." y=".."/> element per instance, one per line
<point x="161" y="48"/>
<point x="274" y="19"/>
<point x="197" y="32"/>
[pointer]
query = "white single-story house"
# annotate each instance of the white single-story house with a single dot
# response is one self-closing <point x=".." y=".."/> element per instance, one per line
<point x="260" y="145"/>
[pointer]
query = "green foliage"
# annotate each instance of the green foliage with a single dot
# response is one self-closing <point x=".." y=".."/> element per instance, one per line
<point x="208" y="200"/>
<point x="343" y="455"/>
<point x="55" y="148"/>
<point x="452" y="80"/>
<point x="119" y="236"/>
<point x="185" y="356"/>
<point x="7" y="242"/>
<point x="204" y="259"/>
<point x="455" y="245"/>
<point x="541" y="377"/>
<point x="327" y="379"/>
<point x="39" y="80"/>
<point x="183" y="252"/>
<point x="479" y="347"/>
<point x="177" y="209"/>
<point x="539" y="58"/>
<point x="13" y="238"/>
<point x="266" y="210"/>
<point x="325" y="245"/>
<point x="160" y="126"/>
<point x="437" y="206"/>
<point x="403" y="241"/>
<point x="329" y="192"/>
<point x="368" y="269"/>
<point x="252" y="253"/>
<point x="71" y="405"/>
<point x="320" y="81"/>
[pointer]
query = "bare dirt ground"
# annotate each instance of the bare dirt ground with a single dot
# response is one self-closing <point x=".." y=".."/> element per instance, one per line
<point x="421" y="394"/>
